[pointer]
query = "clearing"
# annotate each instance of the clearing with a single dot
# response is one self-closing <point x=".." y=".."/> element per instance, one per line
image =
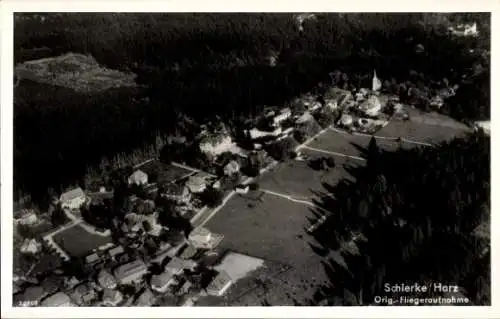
<point x="76" y="71"/>
<point x="77" y="242"/>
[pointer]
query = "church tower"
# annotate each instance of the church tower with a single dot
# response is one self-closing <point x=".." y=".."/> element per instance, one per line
<point x="376" y="83"/>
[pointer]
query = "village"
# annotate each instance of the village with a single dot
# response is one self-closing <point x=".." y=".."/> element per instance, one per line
<point x="158" y="252"/>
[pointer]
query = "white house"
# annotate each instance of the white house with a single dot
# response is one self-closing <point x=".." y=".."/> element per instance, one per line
<point x="256" y="133"/>
<point x="138" y="178"/>
<point x="27" y="217"/>
<point x="73" y="199"/>
<point x="30" y="246"/>
<point x="283" y="115"/>
<point x="179" y="194"/>
<point x="242" y="189"/>
<point x="163" y="281"/>
<point x="216" y="144"/>
<point x="345" y="120"/>
<point x="371" y="106"/>
<point x="231" y="168"/>
<point x="106" y="280"/>
<point x="220" y="284"/>
<point x="484" y="126"/>
<point x="196" y="184"/>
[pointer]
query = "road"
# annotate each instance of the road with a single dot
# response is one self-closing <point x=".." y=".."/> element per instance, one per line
<point x="393" y="139"/>
<point x="333" y="153"/>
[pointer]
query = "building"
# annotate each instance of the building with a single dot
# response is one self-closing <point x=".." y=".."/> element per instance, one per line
<point x="484" y="126"/>
<point x="30" y="246"/>
<point x="256" y="133"/>
<point x="220" y="284"/>
<point x="231" y="168"/>
<point x="177" y="193"/>
<point x="163" y="281"/>
<point x="315" y="105"/>
<point x="188" y="252"/>
<point x="138" y="178"/>
<point x="304" y="118"/>
<point x="83" y="294"/>
<point x="130" y="272"/>
<point x="196" y="184"/>
<point x="335" y="97"/>
<point x="282" y="116"/>
<point x="376" y="83"/>
<point x="92" y="258"/>
<point x="371" y="107"/>
<point x="73" y="199"/>
<point x="436" y="102"/>
<point x="465" y="30"/>
<point x="177" y="265"/>
<point x="242" y="189"/>
<point x="345" y="120"/>
<point x="59" y="299"/>
<point x="115" y="251"/>
<point x="111" y="297"/>
<point x="26" y="217"/>
<point x="106" y="280"/>
<point x="216" y="144"/>
<point x="202" y="238"/>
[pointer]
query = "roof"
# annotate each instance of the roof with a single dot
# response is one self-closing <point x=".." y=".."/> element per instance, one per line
<point x="195" y="181"/>
<point x="32" y="293"/>
<point x="129" y="269"/>
<point x="138" y="174"/>
<point x="116" y="251"/>
<point x="110" y="294"/>
<point x="178" y="264"/>
<point x="72" y="194"/>
<point x="371" y="103"/>
<point x="91" y="258"/>
<point x="57" y="299"/>
<point x="220" y="281"/>
<point x="162" y="279"/>
<point x="105" y="279"/>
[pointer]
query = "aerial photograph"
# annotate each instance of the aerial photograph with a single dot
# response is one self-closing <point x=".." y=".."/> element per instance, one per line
<point x="251" y="159"/>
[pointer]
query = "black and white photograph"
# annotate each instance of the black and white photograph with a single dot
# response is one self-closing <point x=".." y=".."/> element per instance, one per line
<point x="250" y="159"/>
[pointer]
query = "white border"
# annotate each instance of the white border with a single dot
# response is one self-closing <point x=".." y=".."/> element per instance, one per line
<point x="6" y="117"/>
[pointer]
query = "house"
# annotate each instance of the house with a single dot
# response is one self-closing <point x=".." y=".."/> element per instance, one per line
<point x="111" y="297"/>
<point x="216" y="144"/>
<point x="92" y="259"/>
<point x="184" y="287"/>
<point x="177" y="265"/>
<point x="283" y="115"/>
<point x="335" y="97"/>
<point x="115" y="251"/>
<point x="196" y="184"/>
<point x="345" y="120"/>
<point x="146" y="299"/>
<point x="256" y="133"/>
<point x="231" y="168"/>
<point x="30" y="246"/>
<point x="484" y="126"/>
<point x="376" y="83"/>
<point x="106" y="280"/>
<point x="26" y="217"/>
<point x="242" y="189"/>
<point x="177" y="193"/>
<point x="30" y="297"/>
<point x="83" y="294"/>
<point x="436" y="102"/>
<point x="304" y="118"/>
<point x="314" y="106"/>
<point x="163" y="281"/>
<point x="202" y="238"/>
<point x="216" y="184"/>
<point x="220" y="284"/>
<point x="464" y="30"/>
<point x="138" y="178"/>
<point x="73" y="199"/>
<point x="371" y="107"/>
<point x="188" y="252"/>
<point x="59" y="299"/>
<point x="130" y="272"/>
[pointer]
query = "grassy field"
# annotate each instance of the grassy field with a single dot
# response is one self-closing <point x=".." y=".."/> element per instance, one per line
<point x="421" y="132"/>
<point x="272" y="230"/>
<point x="77" y="242"/>
<point x="297" y="179"/>
<point x="348" y="144"/>
<point x="166" y="172"/>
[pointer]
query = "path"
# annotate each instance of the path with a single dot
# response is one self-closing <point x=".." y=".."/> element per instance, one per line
<point x="333" y="153"/>
<point x="290" y="198"/>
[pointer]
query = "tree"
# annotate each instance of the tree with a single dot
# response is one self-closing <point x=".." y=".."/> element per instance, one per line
<point x="212" y="197"/>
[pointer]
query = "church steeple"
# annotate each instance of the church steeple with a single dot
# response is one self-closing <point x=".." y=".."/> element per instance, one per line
<point x="376" y="84"/>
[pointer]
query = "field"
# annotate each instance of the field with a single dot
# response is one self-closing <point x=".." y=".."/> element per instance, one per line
<point x="77" y="242"/>
<point x="273" y="229"/>
<point x="166" y="173"/>
<point x="297" y="179"/>
<point x="348" y="144"/>
<point x="421" y="132"/>
<point x="75" y="71"/>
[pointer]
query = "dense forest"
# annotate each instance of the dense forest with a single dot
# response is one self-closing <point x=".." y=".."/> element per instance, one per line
<point x="416" y="216"/>
<point x="205" y="66"/>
